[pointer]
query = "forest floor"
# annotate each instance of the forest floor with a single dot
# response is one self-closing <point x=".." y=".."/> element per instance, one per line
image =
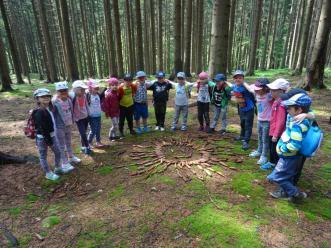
<point x="103" y="204"/>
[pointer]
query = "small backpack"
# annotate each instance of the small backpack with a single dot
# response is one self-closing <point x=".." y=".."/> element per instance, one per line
<point x="312" y="142"/>
<point x="30" y="127"/>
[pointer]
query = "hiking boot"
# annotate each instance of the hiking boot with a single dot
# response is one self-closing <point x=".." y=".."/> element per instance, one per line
<point x="139" y="130"/>
<point x="245" y="146"/>
<point x="254" y="154"/>
<point x="52" y="176"/>
<point x="75" y="160"/>
<point x="278" y="194"/>
<point x="262" y="160"/>
<point x="297" y="197"/>
<point x="267" y="166"/>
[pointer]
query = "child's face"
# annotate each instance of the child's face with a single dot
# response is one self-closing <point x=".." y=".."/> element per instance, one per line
<point x="95" y="90"/>
<point x="114" y="87"/>
<point x="62" y="94"/>
<point x="181" y="80"/>
<point x="292" y="111"/>
<point x="239" y="80"/>
<point x="44" y="100"/>
<point x="141" y="79"/>
<point x="161" y="80"/>
<point x="276" y="93"/>
<point x="79" y="91"/>
<point x="127" y="83"/>
<point x="219" y="83"/>
<point x="260" y="92"/>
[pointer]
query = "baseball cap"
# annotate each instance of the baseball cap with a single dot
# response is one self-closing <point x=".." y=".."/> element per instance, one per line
<point x="220" y="77"/>
<point x="203" y="75"/>
<point x="160" y="74"/>
<point x="238" y="73"/>
<point x="301" y="99"/>
<point x="79" y="84"/>
<point x="279" y="84"/>
<point x="61" y="85"/>
<point x="41" y="92"/>
<point x="261" y="83"/>
<point x="291" y="93"/>
<point x="127" y="77"/>
<point x="140" y="74"/>
<point x="181" y="75"/>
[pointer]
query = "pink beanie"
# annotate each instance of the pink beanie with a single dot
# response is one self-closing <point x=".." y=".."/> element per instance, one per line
<point x="112" y="81"/>
<point x="203" y="75"/>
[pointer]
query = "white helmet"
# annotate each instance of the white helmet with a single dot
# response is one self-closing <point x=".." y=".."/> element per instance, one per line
<point x="61" y="85"/>
<point x="42" y="92"/>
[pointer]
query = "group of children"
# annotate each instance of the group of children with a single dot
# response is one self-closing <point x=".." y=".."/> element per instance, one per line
<point x="279" y="133"/>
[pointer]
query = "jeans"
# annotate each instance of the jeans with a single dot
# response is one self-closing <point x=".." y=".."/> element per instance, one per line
<point x="217" y="113"/>
<point x="160" y="109"/>
<point x="126" y="113"/>
<point x="203" y="113"/>
<point x="299" y="170"/>
<point x="113" y="132"/>
<point x="263" y="136"/>
<point x="43" y="148"/>
<point x="63" y="136"/>
<point x="178" y="110"/>
<point x="284" y="174"/>
<point x="246" y="124"/>
<point x="95" y="125"/>
<point x="82" y="128"/>
<point x="272" y="149"/>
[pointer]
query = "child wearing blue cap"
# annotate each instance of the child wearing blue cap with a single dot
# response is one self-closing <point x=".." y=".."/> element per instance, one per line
<point x="160" y="89"/>
<point x="220" y="95"/>
<point x="288" y="149"/>
<point x="183" y="91"/>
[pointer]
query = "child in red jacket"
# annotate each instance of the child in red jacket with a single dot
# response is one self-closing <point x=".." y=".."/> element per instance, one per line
<point x="111" y="107"/>
<point x="277" y="120"/>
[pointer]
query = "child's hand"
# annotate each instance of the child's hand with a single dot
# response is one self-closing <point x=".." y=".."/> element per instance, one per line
<point x="299" y="118"/>
<point x="274" y="139"/>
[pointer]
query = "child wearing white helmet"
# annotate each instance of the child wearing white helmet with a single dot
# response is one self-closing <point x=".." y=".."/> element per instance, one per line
<point x="81" y="113"/>
<point x="45" y="133"/>
<point x="63" y="115"/>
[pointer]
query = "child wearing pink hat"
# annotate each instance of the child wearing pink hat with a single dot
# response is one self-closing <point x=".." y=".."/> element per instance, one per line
<point x="204" y="88"/>
<point x="111" y="107"/>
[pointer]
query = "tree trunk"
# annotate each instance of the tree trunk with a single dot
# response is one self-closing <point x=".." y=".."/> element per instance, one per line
<point x="140" y="59"/>
<point x="231" y="28"/>
<point x="219" y="37"/>
<point x="110" y="42"/>
<point x="12" y="45"/>
<point x="177" y="37"/>
<point x="200" y="5"/>
<point x="160" y="36"/>
<point x="47" y="42"/>
<point x="315" y="71"/>
<point x="266" y="37"/>
<point x="271" y="51"/>
<point x="118" y="38"/>
<point x="131" y="49"/>
<point x="187" y="57"/>
<point x="70" y="53"/>
<point x="4" y="70"/>
<point x="153" y="40"/>
<point x="255" y="38"/>
<point x="147" y="50"/>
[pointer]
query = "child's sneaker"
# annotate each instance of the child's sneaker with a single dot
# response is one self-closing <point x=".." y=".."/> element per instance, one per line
<point x="267" y="166"/>
<point x="239" y="138"/>
<point x="132" y="132"/>
<point x="162" y="129"/>
<point x="245" y="146"/>
<point x="64" y="169"/>
<point x="183" y="128"/>
<point x="222" y="131"/>
<point x="99" y="145"/>
<point x="157" y="128"/>
<point x="146" y="129"/>
<point x="278" y="194"/>
<point x="122" y="135"/>
<point x="297" y="197"/>
<point x="75" y="160"/>
<point x="254" y="154"/>
<point x="52" y="176"/>
<point x="207" y="129"/>
<point x="200" y="128"/>
<point x="262" y="160"/>
<point x="139" y="130"/>
<point x="86" y="150"/>
<point x="173" y="128"/>
<point x="211" y="130"/>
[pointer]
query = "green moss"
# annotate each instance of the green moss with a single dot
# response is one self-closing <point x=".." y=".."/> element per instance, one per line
<point x="51" y="221"/>
<point x="91" y="239"/>
<point x="244" y="184"/>
<point x="196" y="186"/>
<point x="15" y="211"/>
<point x="117" y="192"/>
<point x="31" y="198"/>
<point x="157" y="178"/>
<point x="25" y="240"/>
<point x="217" y="228"/>
<point x="133" y="167"/>
<point x="105" y="170"/>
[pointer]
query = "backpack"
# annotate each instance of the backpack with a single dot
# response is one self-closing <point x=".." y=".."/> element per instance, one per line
<point x="30" y="127"/>
<point x="312" y="142"/>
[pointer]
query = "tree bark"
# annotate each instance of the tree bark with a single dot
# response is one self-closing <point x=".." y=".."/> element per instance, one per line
<point x="4" y="70"/>
<point x="160" y="36"/>
<point x="12" y="45"/>
<point x="200" y="6"/>
<point x="131" y="49"/>
<point x="266" y="37"/>
<point x="231" y="30"/>
<point x="271" y="51"/>
<point x="187" y="57"/>
<point x="140" y="59"/>
<point x="178" y="36"/>
<point x="315" y="71"/>
<point x="255" y="38"/>
<point x="219" y="37"/>
<point x="118" y="38"/>
<point x="153" y="40"/>
<point x="110" y="42"/>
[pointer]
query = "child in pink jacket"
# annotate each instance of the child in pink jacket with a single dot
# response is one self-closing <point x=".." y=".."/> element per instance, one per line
<point x="277" y="120"/>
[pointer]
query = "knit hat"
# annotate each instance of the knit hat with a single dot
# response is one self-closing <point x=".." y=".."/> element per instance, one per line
<point x="261" y="83"/>
<point x="279" y="84"/>
<point x="203" y="75"/>
<point x="112" y="81"/>
<point x="302" y="100"/>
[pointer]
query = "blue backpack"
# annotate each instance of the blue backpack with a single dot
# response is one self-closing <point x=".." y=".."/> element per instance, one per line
<point x="312" y="142"/>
